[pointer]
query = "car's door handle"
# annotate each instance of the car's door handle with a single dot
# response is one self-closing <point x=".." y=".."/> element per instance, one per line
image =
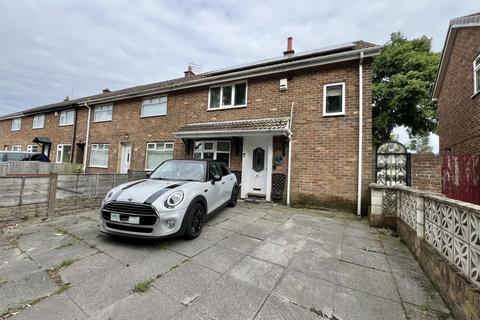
<point x="206" y="190"/>
<point x="223" y="182"/>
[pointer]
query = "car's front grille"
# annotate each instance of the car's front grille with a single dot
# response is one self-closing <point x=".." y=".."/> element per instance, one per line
<point x="147" y="215"/>
<point x="129" y="228"/>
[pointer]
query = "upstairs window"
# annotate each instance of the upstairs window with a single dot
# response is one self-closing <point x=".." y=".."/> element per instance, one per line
<point x="67" y="117"/>
<point x="64" y="153"/>
<point x="103" y="113"/>
<point x="154" y="106"/>
<point x="99" y="155"/>
<point x="228" y="96"/>
<point x="334" y="99"/>
<point x="16" y="124"/>
<point x="38" y="121"/>
<point x="476" y="75"/>
<point x="16" y="147"/>
<point x="157" y="152"/>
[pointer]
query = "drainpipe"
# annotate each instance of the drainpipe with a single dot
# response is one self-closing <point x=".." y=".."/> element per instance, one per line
<point x="72" y="156"/>
<point x="87" y="138"/>
<point x="360" y="134"/>
<point x="289" y="173"/>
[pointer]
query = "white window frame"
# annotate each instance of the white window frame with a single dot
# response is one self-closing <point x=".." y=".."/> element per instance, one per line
<point x="63" y="114"/>
<point x="103" y="109"/>
<point x="475" y="69"/>
<point x="171" y="147"/>
<point x="31" y="146"/>
<point x="35" y="122"/>
<point x="330" y="114"/>
<point x="96" y="147"/>
<point x="232" y="105"/>
<point x="60" y="148"/>
<point x="154" y="115"/>
<point x="16" y="147"/>
<point x="14" y="121"/>
<point x="214" y="150"/>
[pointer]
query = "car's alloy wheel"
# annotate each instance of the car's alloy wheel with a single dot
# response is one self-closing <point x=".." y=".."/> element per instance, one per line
<point x="195" y="220"/>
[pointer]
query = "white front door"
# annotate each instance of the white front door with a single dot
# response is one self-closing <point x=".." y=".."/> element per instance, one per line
<point x="125" y="157"/>
<point x="257" y="166"/>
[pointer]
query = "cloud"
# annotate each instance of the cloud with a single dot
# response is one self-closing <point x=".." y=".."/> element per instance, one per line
<point x="51" y="49"/>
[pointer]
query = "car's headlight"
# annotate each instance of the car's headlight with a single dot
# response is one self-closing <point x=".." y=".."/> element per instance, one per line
<point x="174" y="199"/>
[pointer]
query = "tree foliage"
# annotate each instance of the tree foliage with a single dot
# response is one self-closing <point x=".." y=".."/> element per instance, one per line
<point x="420" y="143"/>
<point x="402" y="76"/>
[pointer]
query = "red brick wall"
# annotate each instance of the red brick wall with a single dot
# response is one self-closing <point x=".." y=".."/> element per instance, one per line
<point x="458" y="110"/>
<point x="426" y="172"/>
<point x="325" y="149"/>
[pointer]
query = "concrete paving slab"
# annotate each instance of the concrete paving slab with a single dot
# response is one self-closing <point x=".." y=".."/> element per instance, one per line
<point x="320" y="248"/>
<point x="214" y="233"/>
<point x="277" y="216"/>
<point x="189" y="248"/>
<point x="365" y="258"/>
<point x="152" y="304"/>
<point x="224" y="215"/>
<point x="397" y="248"/>
<point x="277" y="309"/>
<point x="240" y="243"/>
<point x="17" y="269"/>
<point x="363" y="243"/>
<point x="290" y="238"/>
<point x="327" y="237"/>
<point x="352" y="304"/>
<point x="306" y="291"/>
<point x="360" y="278"/>
<point x="270" y="224"/>
<point x="88" y="268"/>
<point x="190" y="314"/>
<point x="255" y="231"/>
<point x="422" y="313"/>
<point x="125" y="250"/>
<point x="10" y="254"/>
<point x="257" y="273"/>
<point x="26" y="289"/>
<point x="218" y="259"/>
<point x="370" y="234"/>
<point x="274" y="253"/>
<point x="187" y="282"/>
<point x="57" y="307"/>
<point x="420" y="292"/>
<point x="241" y="218"/>
<point x="55" y="257"/>
<point x="229" y="298"/>
<point x="40" y="242"/>
<point x="402" y="267"/>
<point x="321" y="266"/>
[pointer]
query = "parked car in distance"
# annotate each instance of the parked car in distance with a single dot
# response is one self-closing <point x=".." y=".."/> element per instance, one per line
<point x="22" y="156"/>
<point x="176" y="199"/>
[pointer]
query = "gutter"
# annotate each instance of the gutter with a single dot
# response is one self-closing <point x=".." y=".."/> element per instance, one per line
<point x="204" y="134"/>
<point x="87" y="138"/>
<point x="360" y="135"/>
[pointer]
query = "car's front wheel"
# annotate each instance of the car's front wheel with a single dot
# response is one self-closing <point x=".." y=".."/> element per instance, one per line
<point x="195" y="219"/>
<point x="233" y="197"/>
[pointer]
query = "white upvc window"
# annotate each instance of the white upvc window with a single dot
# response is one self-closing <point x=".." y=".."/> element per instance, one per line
<point x="38" y="121"/>
<point x="32" y="148"/>
<point x="157" y="152"/>
<point x="154" y="106"/>
<point x="334" y="99"/>
<point x="67" y="117"/>
<point x="99" y="155"/>
<point x="103" y="113"/>
<point x="16" y="124"/>
<point x="64" y="153"/>
<point x="226" y="96"/>
<point x="476" y="75"/>
<point x="16" y="147"/>
<point x="215" y="150"/>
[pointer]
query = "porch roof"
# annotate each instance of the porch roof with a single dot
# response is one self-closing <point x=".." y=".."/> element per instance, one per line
<point x="238" y="128"/>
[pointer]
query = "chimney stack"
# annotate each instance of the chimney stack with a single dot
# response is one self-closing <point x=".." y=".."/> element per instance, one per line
<point x="189" y="71"/>
<point x="289" y="50"/>
<point x="106" y="90"/>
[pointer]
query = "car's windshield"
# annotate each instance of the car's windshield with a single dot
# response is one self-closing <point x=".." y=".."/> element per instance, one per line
<point x="180" y="170"/>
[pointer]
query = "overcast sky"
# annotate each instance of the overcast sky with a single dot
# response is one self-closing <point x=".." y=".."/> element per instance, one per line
<point x="52" y="49"/>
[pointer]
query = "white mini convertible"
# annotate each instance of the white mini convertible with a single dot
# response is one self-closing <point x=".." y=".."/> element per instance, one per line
<point x="176" y="199"/>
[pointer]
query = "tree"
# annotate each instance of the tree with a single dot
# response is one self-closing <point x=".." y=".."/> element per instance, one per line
<point x="420" y="143"/>
<point x="402" y="76"/>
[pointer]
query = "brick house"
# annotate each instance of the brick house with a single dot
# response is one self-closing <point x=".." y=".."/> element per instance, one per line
<point x="312" y="108"/>
<point x="457" y="88"/>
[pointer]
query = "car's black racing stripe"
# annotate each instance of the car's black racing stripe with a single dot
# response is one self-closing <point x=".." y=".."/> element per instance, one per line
<point x="157" y="194"/>
<point x="117" y="194"/>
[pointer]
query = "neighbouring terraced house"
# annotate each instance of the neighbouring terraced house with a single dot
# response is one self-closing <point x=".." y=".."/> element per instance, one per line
<point x="296" y="126"/>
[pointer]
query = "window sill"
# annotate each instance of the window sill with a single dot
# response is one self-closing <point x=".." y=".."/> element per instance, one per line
<point x="100" y="121"/>
<point x="65" y="125"/>
<point x="226" y="108"/>
<point x="337" y="114"/>
<point x="100" y="167"/>
<point x="157" y="115"/>
<point x="14" y="130"/>
<point x="37" y="128"/>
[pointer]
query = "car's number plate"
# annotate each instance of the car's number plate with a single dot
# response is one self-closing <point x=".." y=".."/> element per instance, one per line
<point x="115" y="217"/>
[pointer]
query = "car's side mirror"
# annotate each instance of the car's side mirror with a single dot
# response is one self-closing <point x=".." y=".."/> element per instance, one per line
<point x="216" y="178"/>
<point x="148" y="174"/>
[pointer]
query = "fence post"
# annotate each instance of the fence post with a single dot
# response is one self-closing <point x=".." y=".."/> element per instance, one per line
<point x="399" y="202"/>
<point x="22" y="187"/>
<point x="420" y="213"/>
<point x="52" y="194"/>
<point x="130" y="175"/>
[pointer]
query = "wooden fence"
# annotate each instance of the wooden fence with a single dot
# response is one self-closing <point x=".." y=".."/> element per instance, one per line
<point x="32" y="167"/>
<point x="461" y="177"/>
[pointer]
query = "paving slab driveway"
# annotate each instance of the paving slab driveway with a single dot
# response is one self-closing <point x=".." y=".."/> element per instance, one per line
<point x="254" y="261"/>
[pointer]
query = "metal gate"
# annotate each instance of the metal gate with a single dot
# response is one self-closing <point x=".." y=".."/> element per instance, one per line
<point x="392" y="164"/>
